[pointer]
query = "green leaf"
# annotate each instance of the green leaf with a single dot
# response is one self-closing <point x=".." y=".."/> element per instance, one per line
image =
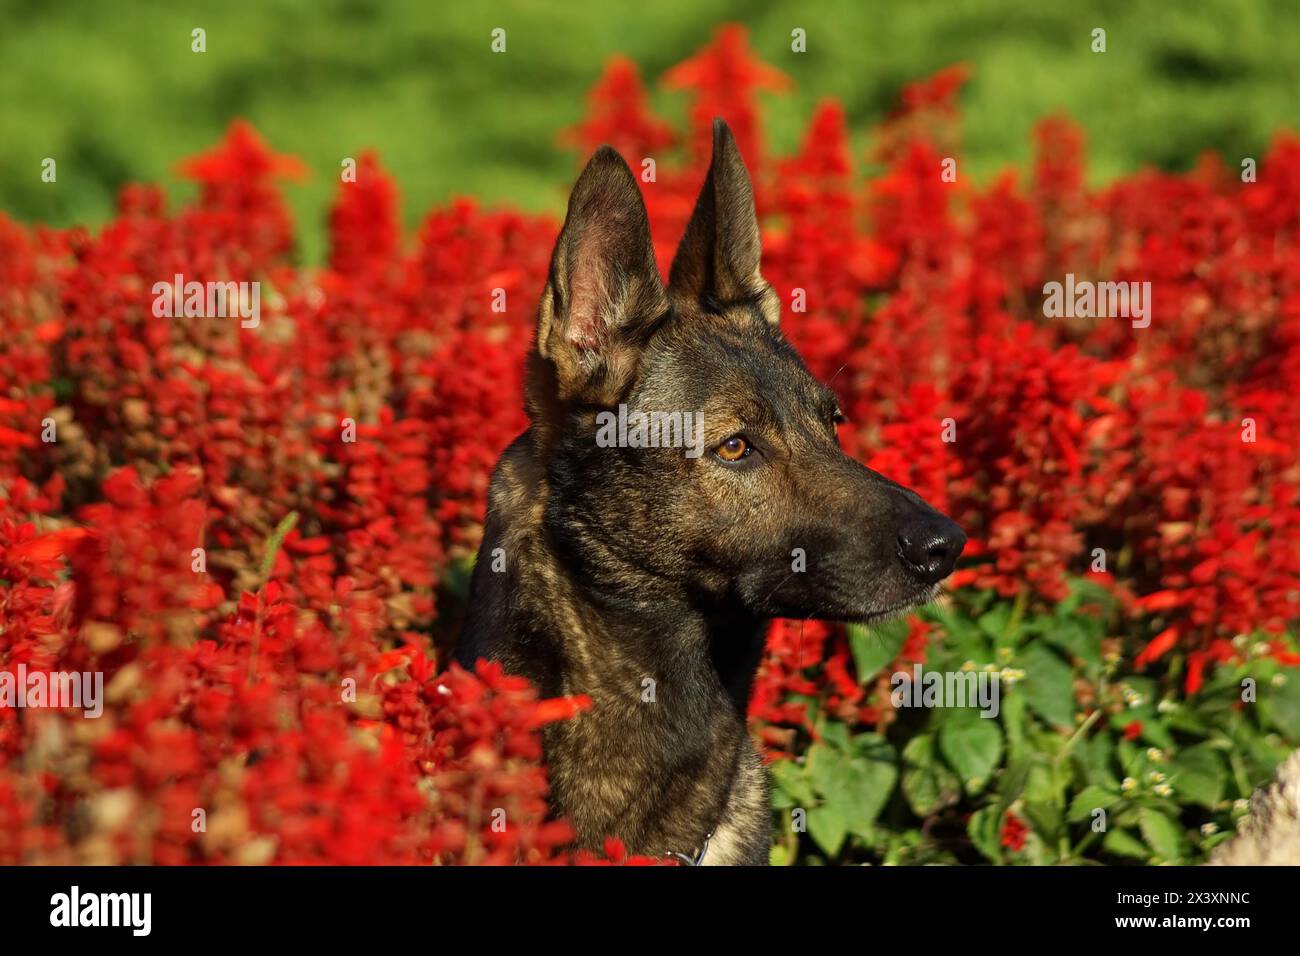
<point x="1046" y="818"/>
<point x="927" y="783"/>
<point x="857" y="786"/>
<point x="994" y="621"/>
<point x="1153" y="727"/>
<point x="973" y="748"/>
<point x="1086" y="590"/>
<point x="835" y="734"/>
<point x="956" y="624"/>
<point x="1048" y="685"/>
<point x="1040" y="786"/>
<point x="828" y="827"/>
<point x="879" y="770"/>
<point x="875" y="747"/>
<point x="1132" y="758"/>
<point x="984" y="830"/>
<point x="791" y="780"/>
<point x="1199" y="775"/>
<point x="1123" y="843"/>
<point x="875" y="647"/>
<point x="1188" y="722"/>
<point x="1012" y="783"/>
<point x="930" y="788"/>
<point x="963" y="637"/>
<point x="1089" y="799"/>
<point x="1282" y="705"/>
<point x="1162" y="834"/>
<point x="1096" y="756"/>
<point x="824" y="766"/>
<point x="1254" y="746"/>
<point x="275" y="541"/>
<point x="1073" y="637"/>
<point x="919" y="750"/>
<point x="871" y="783"/>
<point x="1013" y="721"/>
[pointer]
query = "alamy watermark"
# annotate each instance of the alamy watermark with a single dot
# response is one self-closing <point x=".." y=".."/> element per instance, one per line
<point x="931" y="688"/>
<point x="133" y="911"/>
<point x="1084" y="299"/>
<point x="209" y="300"/>
<point x="82" y="690"/>
<point x="626" y="429"/>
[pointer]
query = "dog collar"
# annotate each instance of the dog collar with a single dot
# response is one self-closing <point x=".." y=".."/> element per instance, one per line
<point x="697" y="859"/>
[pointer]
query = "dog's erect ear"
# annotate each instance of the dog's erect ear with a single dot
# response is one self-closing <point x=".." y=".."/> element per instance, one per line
<point x="604" y="296"/>
<point x="718" y="260"/>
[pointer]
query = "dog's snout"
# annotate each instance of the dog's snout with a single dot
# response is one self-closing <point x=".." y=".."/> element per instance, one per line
<point x="929" y="547"/>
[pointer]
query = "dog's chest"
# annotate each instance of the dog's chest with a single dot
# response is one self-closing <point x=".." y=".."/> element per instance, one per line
<point x="659" y="784"/>
<point x="743" y="833"/>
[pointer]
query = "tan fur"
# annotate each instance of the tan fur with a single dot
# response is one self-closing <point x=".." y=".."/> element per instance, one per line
<point x="748" y="802"/>
<point x="1269" y="834"/>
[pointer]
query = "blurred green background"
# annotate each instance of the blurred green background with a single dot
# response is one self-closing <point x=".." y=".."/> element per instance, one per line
<point x="113" y="92"/>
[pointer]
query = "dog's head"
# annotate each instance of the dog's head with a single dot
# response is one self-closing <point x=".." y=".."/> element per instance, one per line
<point x="754" y="505"/>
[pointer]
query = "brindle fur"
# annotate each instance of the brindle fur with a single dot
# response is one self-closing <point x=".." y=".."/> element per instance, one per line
<point x="622" y="564"/>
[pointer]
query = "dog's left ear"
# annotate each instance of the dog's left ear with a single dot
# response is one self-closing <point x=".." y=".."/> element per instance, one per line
<point x="719" y="258"/>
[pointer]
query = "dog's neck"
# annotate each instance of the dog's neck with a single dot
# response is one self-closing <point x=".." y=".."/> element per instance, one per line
<point x="571" y="634"/>
<point x="659" y="633"/>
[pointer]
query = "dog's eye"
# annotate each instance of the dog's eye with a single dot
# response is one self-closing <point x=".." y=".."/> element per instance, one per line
<point x="734" y="448"/>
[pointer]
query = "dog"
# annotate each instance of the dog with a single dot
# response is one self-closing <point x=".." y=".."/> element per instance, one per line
<point x="645" y="576"/>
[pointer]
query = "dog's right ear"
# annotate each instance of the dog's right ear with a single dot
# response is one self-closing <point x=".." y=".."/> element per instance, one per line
<point x="604" y="295"/>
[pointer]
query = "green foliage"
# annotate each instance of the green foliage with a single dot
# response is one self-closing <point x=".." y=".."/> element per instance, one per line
<point x="102" y="87"/>
<point x="1064" y="756"/>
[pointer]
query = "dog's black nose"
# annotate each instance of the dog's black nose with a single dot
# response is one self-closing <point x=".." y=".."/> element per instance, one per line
<point x="930" y="546"/>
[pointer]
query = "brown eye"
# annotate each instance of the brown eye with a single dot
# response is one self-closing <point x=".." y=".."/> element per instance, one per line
<point x="733" y="449"/>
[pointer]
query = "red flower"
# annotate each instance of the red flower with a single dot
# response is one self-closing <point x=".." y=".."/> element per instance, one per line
<point x="559" y="708"/>
<point x="1158" y="647"/>
<point x="618" y="114"/>
<point x="725" y="76"/>
<point x="1014" y="833"/>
